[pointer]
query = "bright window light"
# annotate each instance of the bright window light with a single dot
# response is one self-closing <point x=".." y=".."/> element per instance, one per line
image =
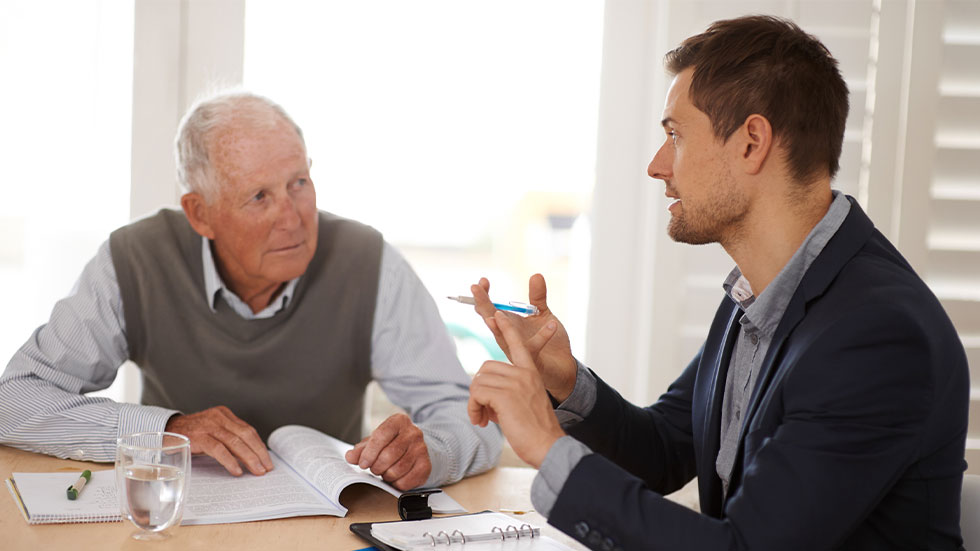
<point x="66" y="109"/>
<point x="464" y="131"/>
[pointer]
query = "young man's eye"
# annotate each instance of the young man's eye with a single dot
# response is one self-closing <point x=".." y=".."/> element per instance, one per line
<point x="672" y="136"/>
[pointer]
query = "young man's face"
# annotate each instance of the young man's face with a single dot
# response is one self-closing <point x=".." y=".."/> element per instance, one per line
<point x="709" y="205"/>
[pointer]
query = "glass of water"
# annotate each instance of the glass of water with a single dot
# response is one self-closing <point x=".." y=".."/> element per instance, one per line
<point x="152" y="470"/>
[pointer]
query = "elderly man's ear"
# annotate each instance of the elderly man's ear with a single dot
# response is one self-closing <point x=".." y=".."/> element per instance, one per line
<point x="198" y="213"/>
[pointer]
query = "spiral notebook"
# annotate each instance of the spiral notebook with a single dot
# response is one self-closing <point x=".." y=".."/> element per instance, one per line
<point x="41" y="497"/>
<point x="485" y="531"/>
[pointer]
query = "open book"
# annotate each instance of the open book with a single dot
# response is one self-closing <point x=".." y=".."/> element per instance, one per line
<point x="310" y="474"/>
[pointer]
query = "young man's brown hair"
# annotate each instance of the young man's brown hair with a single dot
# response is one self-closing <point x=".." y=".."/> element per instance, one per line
<point x="769" y="66"/>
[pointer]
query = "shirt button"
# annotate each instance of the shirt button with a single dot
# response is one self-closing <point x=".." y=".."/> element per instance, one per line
<point x="755" y="339"/>
<point x="581" y="529"/>
<point x="738" y="415"/>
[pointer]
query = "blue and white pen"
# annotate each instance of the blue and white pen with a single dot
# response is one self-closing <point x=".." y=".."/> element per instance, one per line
<point x="517" y="307"/>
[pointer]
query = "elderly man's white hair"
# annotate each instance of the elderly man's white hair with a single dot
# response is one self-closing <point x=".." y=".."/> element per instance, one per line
<point x="191" y="147"/>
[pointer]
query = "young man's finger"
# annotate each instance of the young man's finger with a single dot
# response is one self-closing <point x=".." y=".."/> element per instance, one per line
<point x="483" y="305"/>
<point x="518" y="353"/>
<point x="476" y="412"/>
<point x="478" y="406"/>
<point x="537" y="292"/>
<point x="541" y="338"/>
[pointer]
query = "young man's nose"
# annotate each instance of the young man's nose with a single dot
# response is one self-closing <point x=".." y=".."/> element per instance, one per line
<point x="660" y="165"/>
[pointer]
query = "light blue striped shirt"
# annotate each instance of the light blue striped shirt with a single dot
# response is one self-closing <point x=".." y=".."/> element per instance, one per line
<point x="43" y="407"/>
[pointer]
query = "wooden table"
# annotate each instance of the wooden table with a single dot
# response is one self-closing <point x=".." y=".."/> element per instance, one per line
<point x="501" y="488"/>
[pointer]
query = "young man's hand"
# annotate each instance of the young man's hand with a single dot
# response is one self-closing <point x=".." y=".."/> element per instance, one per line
<point x="514" y="397"/>
<point x="548" y="347"/>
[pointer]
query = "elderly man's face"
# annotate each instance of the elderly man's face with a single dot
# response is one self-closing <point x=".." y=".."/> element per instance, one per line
<point x="264" y="219"/>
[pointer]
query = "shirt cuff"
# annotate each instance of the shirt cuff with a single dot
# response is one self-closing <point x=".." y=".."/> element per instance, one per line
<point x="563" y="456"/>
<point x="580" y="402"/>
<point x="131" y="419"/>
<point x="136" y="418"/>
<point x="443" y="471"/>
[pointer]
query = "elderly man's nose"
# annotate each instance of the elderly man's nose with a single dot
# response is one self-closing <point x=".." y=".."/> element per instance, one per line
<point x="288" y="213"/>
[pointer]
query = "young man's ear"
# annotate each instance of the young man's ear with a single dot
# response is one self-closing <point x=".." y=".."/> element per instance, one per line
<point x="756" y="142"/>
<point x="198" y="214"/>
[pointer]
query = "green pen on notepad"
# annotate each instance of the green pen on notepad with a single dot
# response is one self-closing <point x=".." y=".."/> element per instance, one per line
<point x="76" y="488"/>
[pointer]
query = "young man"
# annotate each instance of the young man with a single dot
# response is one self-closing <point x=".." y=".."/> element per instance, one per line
<point x="827" y="408"/>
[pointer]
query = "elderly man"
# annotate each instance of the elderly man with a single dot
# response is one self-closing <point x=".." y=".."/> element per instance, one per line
<point x="249" y="310"/>
<point x="827" y="407"/>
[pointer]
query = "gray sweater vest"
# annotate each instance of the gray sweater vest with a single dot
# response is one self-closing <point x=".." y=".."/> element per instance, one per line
<point x="308" y="364"/>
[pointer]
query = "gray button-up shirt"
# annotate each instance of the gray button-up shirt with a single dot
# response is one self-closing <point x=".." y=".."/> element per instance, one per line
<point x="761" y="316"/>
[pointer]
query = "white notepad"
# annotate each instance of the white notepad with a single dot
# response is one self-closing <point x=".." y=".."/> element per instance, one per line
<point x="42" y="498"/>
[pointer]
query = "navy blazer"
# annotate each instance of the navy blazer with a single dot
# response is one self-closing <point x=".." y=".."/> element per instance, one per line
<point x="854" y="437"/>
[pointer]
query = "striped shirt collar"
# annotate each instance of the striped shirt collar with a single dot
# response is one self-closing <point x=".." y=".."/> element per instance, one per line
<point x="215" y="288"/>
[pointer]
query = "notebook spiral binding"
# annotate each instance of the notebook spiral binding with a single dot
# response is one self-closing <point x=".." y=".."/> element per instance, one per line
<point x="509" y="531"/>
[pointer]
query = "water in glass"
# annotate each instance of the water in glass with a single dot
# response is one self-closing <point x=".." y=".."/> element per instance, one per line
<point x="151" y="478"/>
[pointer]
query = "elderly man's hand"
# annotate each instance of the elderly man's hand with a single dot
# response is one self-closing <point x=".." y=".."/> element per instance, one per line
<point x="396" y="452"/>
<point x="221" y="434"/>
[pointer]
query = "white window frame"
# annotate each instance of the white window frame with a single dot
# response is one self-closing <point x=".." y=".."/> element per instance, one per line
<point x="180" y="50"/>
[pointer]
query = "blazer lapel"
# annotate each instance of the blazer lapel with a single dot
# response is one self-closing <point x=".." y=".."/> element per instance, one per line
<point x="852" y="235"/>
<point x="710" y="493"/>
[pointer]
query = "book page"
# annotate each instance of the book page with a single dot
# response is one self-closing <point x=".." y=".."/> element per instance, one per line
<point x="319" y="458"/>
<point x="217" y="497"/>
